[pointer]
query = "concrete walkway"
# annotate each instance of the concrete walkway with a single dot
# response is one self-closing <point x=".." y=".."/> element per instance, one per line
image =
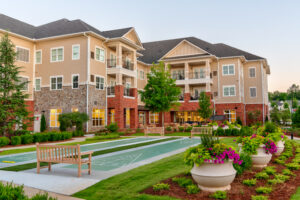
<point x="30" y="192"/>
<point x="75" y="139"/>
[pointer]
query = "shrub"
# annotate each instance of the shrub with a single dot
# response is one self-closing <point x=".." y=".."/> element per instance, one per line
<point x="182" y="181"/>
<point x="9" y="191"/>
<point x="161" y="186"/>
<point x="192" y="189"/>
<point x="249" y="182"/>
<point x="239" y="121"/>
<point x="40" y="137"/>
<point x="246" y="131"/>
<point x="259" y="197"/>
<point x="104" y="137"/>
<point x="189" y="129"/>
<point x="169" y="128"/>
<point x="15" y="140"/>
<point x="262" y="175"/>
<point x="112" y="127"/>
<point x="282" y="177"/>
<point x="228" y="132"/>
<point x="66" y="135"/>
<point x="68" y="120"/>
<point x="220" y="131"/>
<point x="270" y="127"/>
<point x="181" y="128"/>
<point x="288" y="172"/>
<point x="293" y="166"/>
<point x="270" y="170"/>
<point x="77" y="133"/>
<point x="246" y="164"/>
<point x="4" y="141"/>
<point x="43" y="123"/>
<point x="42" y="197"/>
<point x="27" y="139"/>
<point x="138" y="130"/>
<point x="275" y="181"/>
<point x="219" y="195"/>
<point x="21" y="132"/>
<point x="174" y="129"/>
<point x="54" y="136"/>
<point x="263" y="190"/>
<point x="235" y="132"/>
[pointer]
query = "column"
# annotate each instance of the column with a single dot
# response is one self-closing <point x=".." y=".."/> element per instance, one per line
<point x="119" y="55"/>
<point x="119" y="78"/>
<point x="186" y="70"/>
<point x="207" y="66"/>
<point x="135" y="69"/>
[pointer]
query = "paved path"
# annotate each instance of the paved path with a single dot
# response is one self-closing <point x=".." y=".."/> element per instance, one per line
<point x="76" y="139"/>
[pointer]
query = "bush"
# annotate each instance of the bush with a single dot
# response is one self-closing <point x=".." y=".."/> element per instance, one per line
<point x="42" y="197"/>
<point x="263" y="190"/>
<point x="11" y="192"/>
<point x="275" y="181"/>
<point x="288" y="172"/>
<point x="270" y="170"/>
<point x="161" y="186"/>
<point x="169" y="128"/>
<point x="66" y="135"/>
<point x="112" y="127"/>
<point x="27" y="139"/>
<point x="259" y="197"/>
<point x="15" y="140"/>
<point x="182" y="181"/>
<point x="246" y="131"/>
<point x="68" y="120"/>
<point x="43" y="123"/>
<point x="138" y="130"/>
<point x="293" y="166"/>
<point x="54" y="136"/>
<point x="4" y="141"/>
<point x="239" y="121"/>
<point x="246" y="164"/>
<point x="21" y="132"/>
<point x="189" y="129"/>
<point x="220" y="131"/>
<point x="270" y="127"/>
<point x="235" y="132"/>
<point x="249" y="182"/>
<point x="219" y="195"/>
<point x="104" y="137"/>
<point x="77" y="133"/>
<point x="228" y="132"/>
<point x="296" y="118"/>
<point x="181" y="128"/>
<point x="262" y="175"/>
<point x="40" y="137"/>
<point x="192" y="189"/>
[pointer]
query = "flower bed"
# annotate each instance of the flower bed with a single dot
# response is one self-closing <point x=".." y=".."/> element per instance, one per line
<point x="281" y="187"/>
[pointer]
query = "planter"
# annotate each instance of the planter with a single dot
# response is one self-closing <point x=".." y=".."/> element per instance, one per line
<point x="261" y="159"/>
<point x="280" y="147"/>
<point x="215" y="127"/>
<point x="213" y="177"/>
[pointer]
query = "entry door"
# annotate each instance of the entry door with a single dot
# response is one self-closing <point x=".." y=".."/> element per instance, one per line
<point x="37" y="123"/>
<point x="127" y="117"/>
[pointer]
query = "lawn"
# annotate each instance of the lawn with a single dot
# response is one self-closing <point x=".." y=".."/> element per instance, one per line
<point x="128" y="185"/>
<point x="186" y="134"/>
<point x="296" y="196"/>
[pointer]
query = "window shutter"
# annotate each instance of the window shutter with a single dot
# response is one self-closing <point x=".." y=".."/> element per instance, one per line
<point x="215" y="73"/>
<point x="92" y="78"/>
<point x="92" y="56"/>
<point x="215" y="94"/>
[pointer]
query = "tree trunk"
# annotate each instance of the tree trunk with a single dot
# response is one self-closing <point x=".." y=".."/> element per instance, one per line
<point x="163" y="121"/>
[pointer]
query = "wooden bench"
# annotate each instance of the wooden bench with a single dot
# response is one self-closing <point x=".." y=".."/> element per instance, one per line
<point x="201" y="130"/>
<point x="159" y="130"/>
<point x="69" y="154"/>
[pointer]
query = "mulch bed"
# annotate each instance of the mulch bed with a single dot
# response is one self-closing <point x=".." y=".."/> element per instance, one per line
<point x="238" y="190"/>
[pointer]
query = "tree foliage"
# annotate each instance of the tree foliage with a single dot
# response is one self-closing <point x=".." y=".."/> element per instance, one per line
<point x="43" y="126"/>
<point x="275" y="115"/>
<point x="13" y="112"/>
<point x="68" y="120"/>
<point x="161" y="93"/>
<point x="296" y="118"/>
<point x="253" y="116"/>
<point x="205" y="111"/>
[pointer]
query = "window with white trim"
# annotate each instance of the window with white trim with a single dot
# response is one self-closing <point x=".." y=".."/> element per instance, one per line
<point x="99" y="83"/>
<point x="230" y="115"/>
<point x="228" y="69"/>
<point x="253" y="92"/>
<point x="22" y="54"/>
<point x="100" y="54"/>
<point x="153" y="117"/>
<point x="142" y="75"/>
<point x="54" y="114"/>
<point x="37" y="84"/>
<point x="38" y="57"/>
<point x="98" y="117"/>
<point x="228" y="91"/>
<point x="57" y="54"/>
<point x="75" y="81"/>
<point x="56" y="83"/>
<point x="24" y="81"/>
<point x="252" y="72"/>
<point x="75" y="52"/>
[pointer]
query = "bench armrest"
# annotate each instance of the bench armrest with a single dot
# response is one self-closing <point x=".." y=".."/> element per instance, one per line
<point x="87" y="153"/>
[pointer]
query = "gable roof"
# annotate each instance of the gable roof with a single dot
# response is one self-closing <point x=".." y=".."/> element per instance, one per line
<point x="154" y="51"/>
<point x="116" y="33"/>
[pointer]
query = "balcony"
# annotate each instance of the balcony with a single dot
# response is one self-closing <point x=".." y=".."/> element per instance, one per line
<point x="127" y="67"/>
<point x="128" y="92"/>
<point x="197" y="75"/>
<point x="181" y="97"/>
<point x="111" y="63"/>
<point x="194" y="98"/>
<point x="126" y="64"/>
<point x="111" y="90"/>
<point x="178" y="76"/>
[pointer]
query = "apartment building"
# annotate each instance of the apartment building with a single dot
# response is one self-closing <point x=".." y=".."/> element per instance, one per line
<point x="74" y="67"/>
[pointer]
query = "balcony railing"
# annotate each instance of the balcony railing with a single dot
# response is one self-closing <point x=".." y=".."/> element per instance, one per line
<point x="111" y="90"/>
<point x="195" y="97"/>
<point x="197" y="75"/>
<point x="178" y="76"/>
<point x="181" y="98"/>
<point x="128" y="65"/>
<point x="128" y="92"/>
<point x="111" y="63"/>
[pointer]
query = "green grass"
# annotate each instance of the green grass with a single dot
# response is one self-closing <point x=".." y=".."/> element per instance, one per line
<point x="230" y="141"/>
<point x="296" y="196"/>
<point x="186" y="134"/>
<point x="96" y="153"/>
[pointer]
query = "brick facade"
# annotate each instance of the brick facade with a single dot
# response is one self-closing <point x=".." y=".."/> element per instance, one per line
<point x="30" y="107"/>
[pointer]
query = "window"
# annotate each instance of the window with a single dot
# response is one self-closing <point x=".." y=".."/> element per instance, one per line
<point x="24" y="80"/>
<point x="142" y="75"/>
<point x="74" y="110"/>
<point x="22" y="54"/>
<point x="228" y="91"/>
<point x="252" y="72"/>
<point x="38" y="57"/>
<point x="56" y="83"/>
<point x="75" y="81"/>
<point x="199" y="73"/>
<point x="112" y="115"/>
<point x="230" y="115"/>
<point x="99" y="83"/>
<point x="228" y="69"/>
<point x="100" y="54"/>
<point x="37" y="84"/>
<point x="98" y="116"/>
<point x="54" y="114"/>
<point x="113" y="60"/>
<point x="141" y="117"/>
<point x="75" y="52"/>
<point x="253" y="92"/>
<point x="57" y="54"/>
<point x="154" y="117"/>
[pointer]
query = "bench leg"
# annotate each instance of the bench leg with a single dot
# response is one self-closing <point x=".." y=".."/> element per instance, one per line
<point x="79" y="170"/>
<point x="49" y="166"/>
<point x="38" y="167"/>
<point x="90" y="168"/>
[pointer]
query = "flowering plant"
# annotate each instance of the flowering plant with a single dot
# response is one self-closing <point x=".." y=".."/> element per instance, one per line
<point x="251" y="143"/>
<point x="270" y="147"/>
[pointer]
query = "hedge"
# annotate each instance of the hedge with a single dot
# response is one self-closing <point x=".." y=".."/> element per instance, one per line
<point x="4" y="141"/>
<point x="16" y="140"/>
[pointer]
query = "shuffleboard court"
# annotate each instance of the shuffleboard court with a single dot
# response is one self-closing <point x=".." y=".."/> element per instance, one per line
<point x="15" y="159"/>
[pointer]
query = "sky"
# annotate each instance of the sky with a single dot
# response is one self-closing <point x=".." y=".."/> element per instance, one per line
<point x="268" y="28"/>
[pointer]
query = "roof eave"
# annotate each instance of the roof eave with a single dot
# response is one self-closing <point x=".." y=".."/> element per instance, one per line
<point x="16" y="35"/>
<point x="125" y="40"/>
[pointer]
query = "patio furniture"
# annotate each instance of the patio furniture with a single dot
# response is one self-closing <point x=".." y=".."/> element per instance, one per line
<point x="159" y="130"/>
<point x="69" y="154"/>
<point x="201" y="130"/>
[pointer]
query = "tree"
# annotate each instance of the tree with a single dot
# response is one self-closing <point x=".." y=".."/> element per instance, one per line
<point x="161" y="93"/>
<point x="43" y="126"/>
<point x="205" y="111"/>
<point x="293" y="92"/>
<point x="68" y="120"/>
<point x="275" y="115"/>
<point x="294" y="103"/>
<point x="285" y="115"/>
<point x="296" y="118"/>
<point x="13" y="112"/>
<point x="286" y="105"/>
